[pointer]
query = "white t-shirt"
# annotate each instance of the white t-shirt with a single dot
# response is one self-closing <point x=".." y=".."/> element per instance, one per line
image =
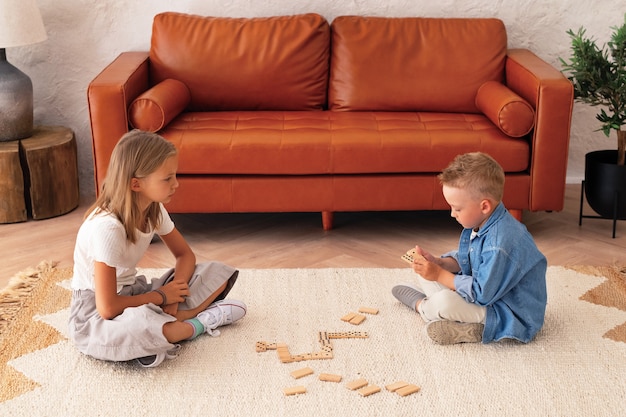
<point x="102" y="238"/>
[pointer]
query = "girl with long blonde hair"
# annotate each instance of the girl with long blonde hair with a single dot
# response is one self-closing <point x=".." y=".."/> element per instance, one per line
<point x="118" y="315"/>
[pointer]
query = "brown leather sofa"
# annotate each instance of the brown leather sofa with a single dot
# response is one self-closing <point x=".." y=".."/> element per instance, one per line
<point x="293" y="114"/>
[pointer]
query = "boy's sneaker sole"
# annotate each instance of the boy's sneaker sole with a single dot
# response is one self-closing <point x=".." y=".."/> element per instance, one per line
<point x="445" y="332"/>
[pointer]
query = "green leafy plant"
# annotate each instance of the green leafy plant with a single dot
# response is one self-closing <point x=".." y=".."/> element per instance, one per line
<point x="599" y="79"/>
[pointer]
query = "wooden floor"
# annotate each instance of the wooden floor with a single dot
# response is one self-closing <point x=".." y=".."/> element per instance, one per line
<point x="296" y="240"/>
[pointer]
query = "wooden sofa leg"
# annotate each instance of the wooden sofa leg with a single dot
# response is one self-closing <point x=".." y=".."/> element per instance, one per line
<point x="517" y="214"/>
<point x="327" y="220"/>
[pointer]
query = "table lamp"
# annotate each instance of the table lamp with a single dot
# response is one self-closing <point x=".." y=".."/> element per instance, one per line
<point x="20" y="24"/>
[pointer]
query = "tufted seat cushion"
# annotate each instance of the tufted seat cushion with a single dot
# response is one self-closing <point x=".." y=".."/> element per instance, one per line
<point x="300" y="143"/>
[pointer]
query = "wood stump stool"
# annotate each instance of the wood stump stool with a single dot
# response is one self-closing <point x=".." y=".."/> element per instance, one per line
<point x="39" y="174"/>
<point x="12" y="202"/>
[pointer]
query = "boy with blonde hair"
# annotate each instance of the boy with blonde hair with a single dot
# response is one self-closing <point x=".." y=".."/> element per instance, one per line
<point x="493" y="286"/>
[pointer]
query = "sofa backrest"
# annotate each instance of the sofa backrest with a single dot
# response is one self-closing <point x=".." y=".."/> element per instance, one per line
<point x="273" y="63"/>
<point x="413" y="64"/>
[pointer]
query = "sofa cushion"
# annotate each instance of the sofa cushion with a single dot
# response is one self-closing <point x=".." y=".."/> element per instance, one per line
<point x="413" y="64"/>
<point x="327" y="142"/>
<point x="511" y="113"/>
<point x="155" y="108"/>
<point x="266" y="63"/>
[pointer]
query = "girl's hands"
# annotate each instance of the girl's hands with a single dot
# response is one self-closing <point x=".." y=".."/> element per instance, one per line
<point x="175" y="292"/>
<point x="170" y="309"/>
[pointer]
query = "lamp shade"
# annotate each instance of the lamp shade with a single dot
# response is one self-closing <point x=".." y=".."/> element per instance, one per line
<point x="20" y="23"/>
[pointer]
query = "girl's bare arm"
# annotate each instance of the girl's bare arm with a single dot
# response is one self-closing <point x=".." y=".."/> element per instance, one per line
<point x="185" y="258"/>
<point x="110" y="304"/>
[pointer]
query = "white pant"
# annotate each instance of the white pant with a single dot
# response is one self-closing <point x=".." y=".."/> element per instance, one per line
<point x="441" y="303"/>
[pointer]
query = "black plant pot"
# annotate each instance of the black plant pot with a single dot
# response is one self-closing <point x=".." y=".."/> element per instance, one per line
<point x="605" y="184"/>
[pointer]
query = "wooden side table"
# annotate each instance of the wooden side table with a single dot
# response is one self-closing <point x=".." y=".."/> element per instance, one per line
<point x="39" y="174"/>
<point x="12" y="202"/>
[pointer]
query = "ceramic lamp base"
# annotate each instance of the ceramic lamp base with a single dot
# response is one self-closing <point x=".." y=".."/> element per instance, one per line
<point x="16" y="102"/>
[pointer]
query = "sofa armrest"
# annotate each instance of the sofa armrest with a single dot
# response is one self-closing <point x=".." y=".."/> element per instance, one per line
<point x="552" y="96"/>
<point x="109" y="95"/>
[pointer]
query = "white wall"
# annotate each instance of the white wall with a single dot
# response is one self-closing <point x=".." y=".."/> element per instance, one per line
<point x="85" y="35"/>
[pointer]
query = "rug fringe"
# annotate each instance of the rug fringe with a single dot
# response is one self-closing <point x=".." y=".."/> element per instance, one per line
<point x="17" y="291"/>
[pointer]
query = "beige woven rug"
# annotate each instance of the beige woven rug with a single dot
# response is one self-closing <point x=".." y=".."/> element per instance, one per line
<point x="573" y="368"/>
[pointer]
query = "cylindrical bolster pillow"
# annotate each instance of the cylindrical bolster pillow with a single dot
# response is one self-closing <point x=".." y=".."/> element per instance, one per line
<point x="155" y="108"/>
<point x="511" y="113"/>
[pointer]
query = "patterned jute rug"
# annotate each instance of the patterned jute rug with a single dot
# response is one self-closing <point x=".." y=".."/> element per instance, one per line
<point x="575" y="366"/>
<point x="611" y="293"/>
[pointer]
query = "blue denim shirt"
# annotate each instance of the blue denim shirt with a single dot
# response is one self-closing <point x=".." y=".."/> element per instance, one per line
<point x="502" y="269"/>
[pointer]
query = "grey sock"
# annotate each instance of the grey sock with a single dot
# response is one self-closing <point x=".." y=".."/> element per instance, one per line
<point x="407" y="295"/>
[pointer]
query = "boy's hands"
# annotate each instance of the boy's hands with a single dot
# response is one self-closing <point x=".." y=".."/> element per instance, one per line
<point x="432" y="268"/>
<point x="425" y="264"/>
<point x="425" y="254"/>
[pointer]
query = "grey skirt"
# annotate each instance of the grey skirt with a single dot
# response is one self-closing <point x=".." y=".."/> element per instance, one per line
<point x="138" y="331"/>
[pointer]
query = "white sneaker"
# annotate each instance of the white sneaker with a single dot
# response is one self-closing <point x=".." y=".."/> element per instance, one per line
<point x="221" y="313"/>
<point x="155" y="360"/>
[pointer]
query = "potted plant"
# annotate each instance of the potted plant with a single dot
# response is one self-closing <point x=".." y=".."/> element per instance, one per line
<point x="599" y="79"/>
